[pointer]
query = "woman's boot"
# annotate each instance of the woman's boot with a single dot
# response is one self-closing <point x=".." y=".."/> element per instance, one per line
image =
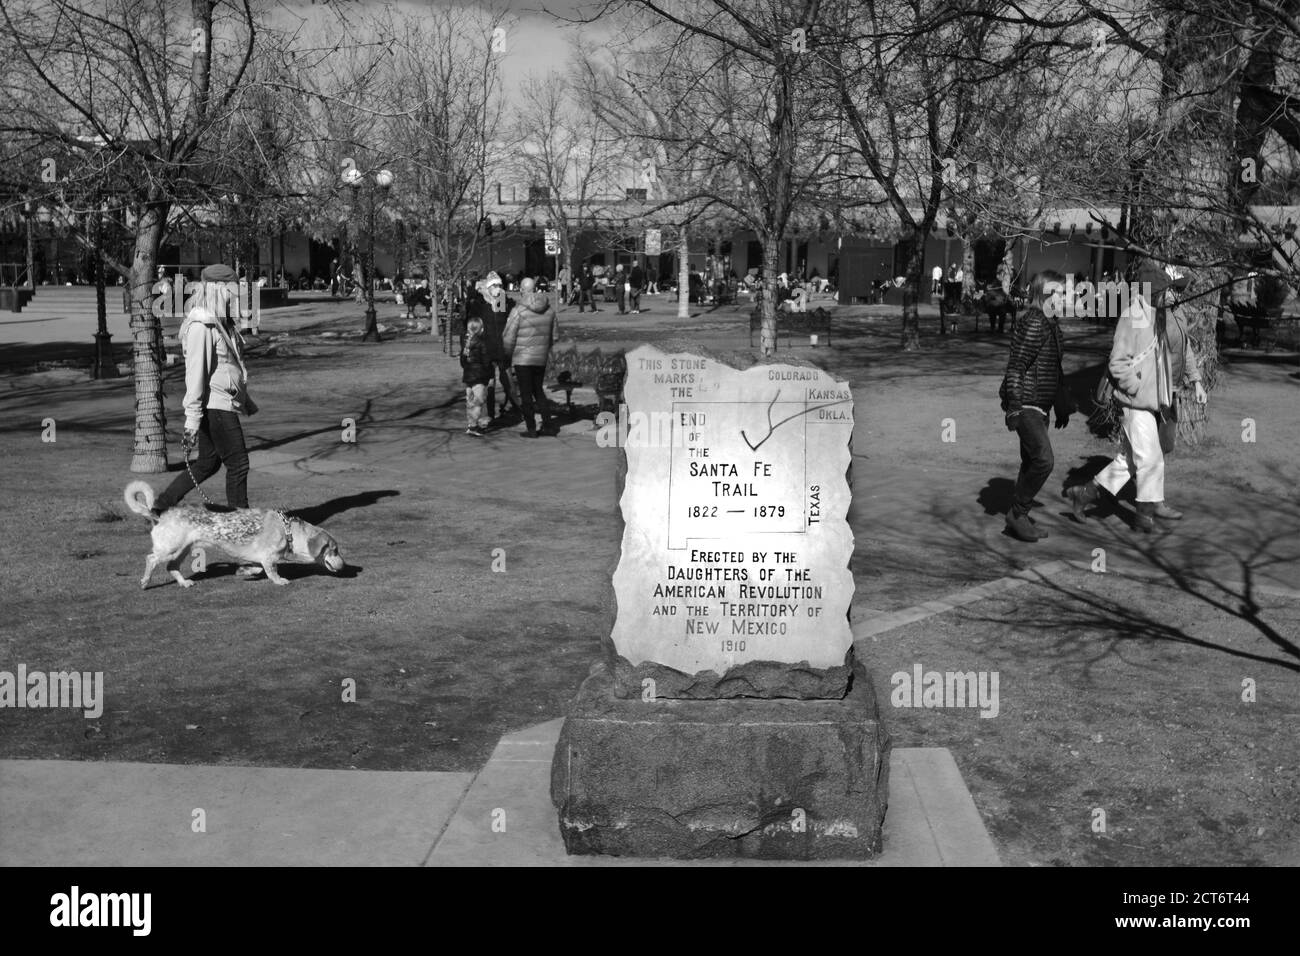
<point x="1081" y="496"/>
<point x="1146" y="517"/>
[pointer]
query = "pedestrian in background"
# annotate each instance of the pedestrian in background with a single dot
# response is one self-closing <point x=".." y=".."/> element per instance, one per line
<point x="620" y="288"/>
<point x="635" y="285"/>
<point x="563" y="280"/>
<point x="586" y="285"/>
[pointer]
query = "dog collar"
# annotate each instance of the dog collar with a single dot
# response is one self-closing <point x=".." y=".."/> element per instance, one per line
<point x="288" y="529"/>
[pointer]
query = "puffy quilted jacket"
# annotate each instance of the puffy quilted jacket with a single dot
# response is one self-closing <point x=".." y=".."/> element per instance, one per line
<point x="530" y="333"/>
<point x="1033" y="374"/>
<point x="476" y="362"/>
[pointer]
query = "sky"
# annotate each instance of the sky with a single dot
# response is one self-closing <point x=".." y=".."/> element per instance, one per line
<point x="535" y="45"/>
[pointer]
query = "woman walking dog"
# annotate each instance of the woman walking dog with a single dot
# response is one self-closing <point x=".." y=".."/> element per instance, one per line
<point x="1151" y="358"/>
<point x="216" y="394"/>
<point x="1033" y="386"/>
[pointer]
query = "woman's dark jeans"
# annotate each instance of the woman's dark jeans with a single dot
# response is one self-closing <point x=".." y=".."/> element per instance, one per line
<point x="221" y="441"/>
<point x="1036" y="460"/>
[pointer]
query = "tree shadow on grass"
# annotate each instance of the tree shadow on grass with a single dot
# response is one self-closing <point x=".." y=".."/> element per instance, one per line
<point x="1252" y="554"/>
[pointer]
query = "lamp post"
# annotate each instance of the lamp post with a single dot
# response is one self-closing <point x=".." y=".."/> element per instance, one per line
<point x="28" y="212"/>
<point x="486" y="225"/>
<point x="105" y="367"/>
<point x="383" y="179"/>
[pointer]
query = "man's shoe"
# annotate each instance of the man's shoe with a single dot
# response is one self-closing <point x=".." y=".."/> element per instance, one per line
<point x="1145" y="522"/>
<point x="1081" y="496"/>
<point x="1021" y="529"/>
<point x="1166" y="512"/>
<point x="529" y="434"/>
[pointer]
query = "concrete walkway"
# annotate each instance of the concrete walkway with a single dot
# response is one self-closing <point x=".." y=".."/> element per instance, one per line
<point x="122" y="814"/>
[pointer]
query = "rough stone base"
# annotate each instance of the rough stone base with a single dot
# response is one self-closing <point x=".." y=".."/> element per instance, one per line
<point x="690" y="779"/>
<point x="751" y="679"/>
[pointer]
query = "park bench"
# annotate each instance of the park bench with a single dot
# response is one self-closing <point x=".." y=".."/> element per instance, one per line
<point x="793" y="323"/>
<point x="570" y="369"/>
<point x="1255" y="319"/>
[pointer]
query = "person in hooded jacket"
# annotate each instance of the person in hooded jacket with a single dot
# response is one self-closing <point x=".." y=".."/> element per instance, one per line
<point x="216" y="393"/>
<point x="1151" y="358"/>
<point x="529" y="335"/>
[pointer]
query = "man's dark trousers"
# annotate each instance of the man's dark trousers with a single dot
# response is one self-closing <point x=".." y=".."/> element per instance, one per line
<point x="221" y="440"/>
<point x="532" y="395"/>
<point x="1036" y="459"/>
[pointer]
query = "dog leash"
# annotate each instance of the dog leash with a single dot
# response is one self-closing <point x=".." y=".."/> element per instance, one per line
<point x="284" y="518"/>
<point x="197" y="487"/>
<point x="288" y="530"/>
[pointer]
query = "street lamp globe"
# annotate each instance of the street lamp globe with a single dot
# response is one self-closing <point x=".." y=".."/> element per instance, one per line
<point x="352" y="176"/>
<point x="384" y="178"/>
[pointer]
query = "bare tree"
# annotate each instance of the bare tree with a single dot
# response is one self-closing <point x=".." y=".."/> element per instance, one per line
<point x="746" y="67"/>
<point x="915" y="81"/>
<point x="443" y="89"/>
<point x="128" y="85"/>
<point x="569" y="162"/>
<point x="652" y="112"/>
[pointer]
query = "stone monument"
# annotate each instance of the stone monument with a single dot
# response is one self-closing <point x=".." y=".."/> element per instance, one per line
<point x="728" y="717"/>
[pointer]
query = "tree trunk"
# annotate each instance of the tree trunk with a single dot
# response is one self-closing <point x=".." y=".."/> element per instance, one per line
<point x="683" y="275"/>
<point x="433" y="289"/>
<point x="911" y="314"/>
<point x="767" y="331"/>
<point x="967" y="268"/>
<point x="150" y="452"/>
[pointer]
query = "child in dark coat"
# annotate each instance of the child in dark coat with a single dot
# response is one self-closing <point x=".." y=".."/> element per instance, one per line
<point x="477" y="374"/>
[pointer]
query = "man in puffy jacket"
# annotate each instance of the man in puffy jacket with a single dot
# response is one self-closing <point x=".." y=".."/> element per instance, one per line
<point x="530" y="333"/>
<point x="1032" y="387"/>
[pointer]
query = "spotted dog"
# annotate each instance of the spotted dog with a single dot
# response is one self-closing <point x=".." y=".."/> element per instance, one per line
<point x="255" y="535"/>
